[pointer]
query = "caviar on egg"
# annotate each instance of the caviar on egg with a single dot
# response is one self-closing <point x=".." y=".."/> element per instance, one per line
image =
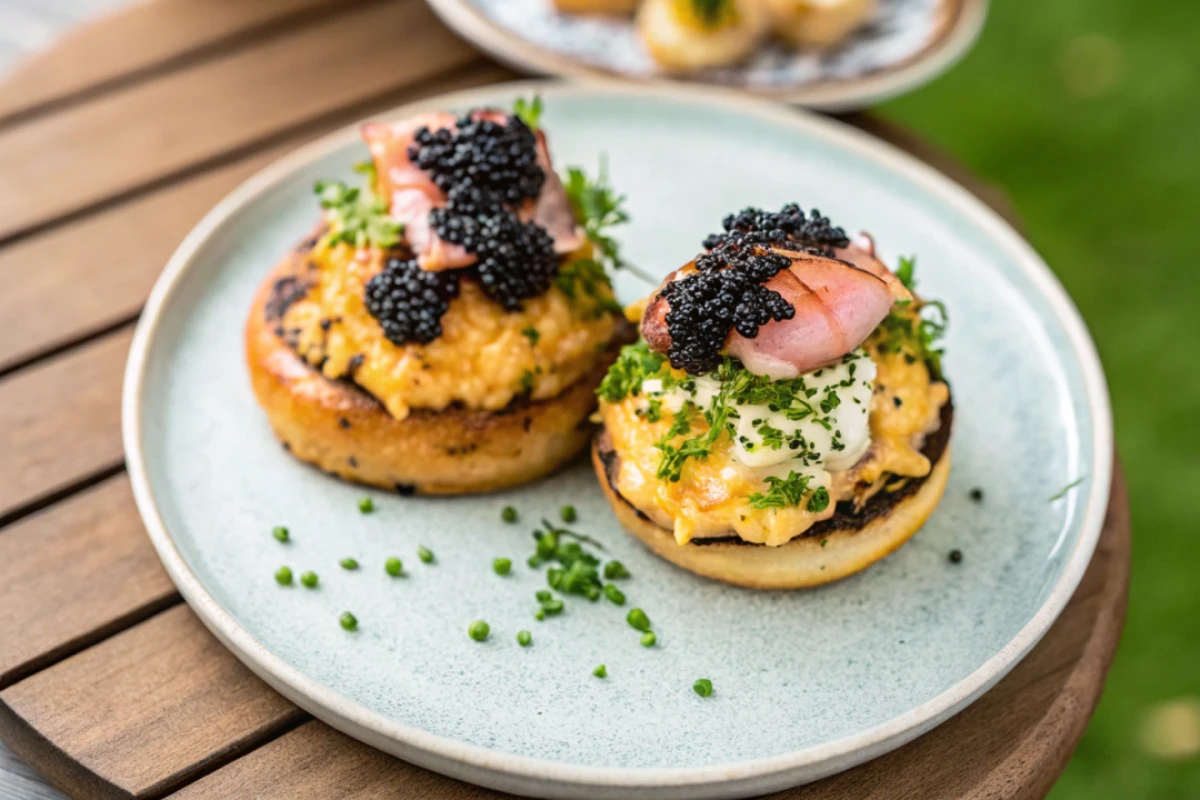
<point x="409" y="302"/>
<point x="726" y="291"/>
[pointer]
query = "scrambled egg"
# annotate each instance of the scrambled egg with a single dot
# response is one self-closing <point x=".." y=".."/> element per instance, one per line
<point x="711" y="497"/>
<point x="485" y="357"/>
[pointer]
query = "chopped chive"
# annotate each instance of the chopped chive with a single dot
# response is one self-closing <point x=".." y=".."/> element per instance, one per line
<point x="349" y="563"/>
<point x="554" y="576"/>
<point x="1063" y="492"/>
<point x="479" y="630"/>
<point x="509" y="514"/>
<point x="553" y="606"/>
<point x="501" y="566"/>
<point x="600" y="671"/>
<point x="614" y="570"/>
<point x="281" y="533"/>
<point x="591" y="591"/>
<point x="425" y="554"/>
<point x="349" y="621"/>
<point x="540" y="614"/>
<point x="614" y="594"/>
<point x="649" y="639"/>
<point x="534" y="561"/>
<point x="366" y="505"/>
<point x="524" y="638"/>
<point x="393" y="566"/>
<point x="702" y="687"/>
<point x="283" y="576"/>
<point x="638" y="620"/>
<point x="309" y="579"/>
<point x="568" y="514"/>
<point x="543" y="596"/>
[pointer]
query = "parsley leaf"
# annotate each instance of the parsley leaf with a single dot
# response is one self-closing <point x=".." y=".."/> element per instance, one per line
<point x="914" y="327"/>
<point x="636" y="363"/>
<point x="529" y="111"/>
<point x="357" y="217"/>
<point x="597" y="208"/>
<point x="784" y="492"/>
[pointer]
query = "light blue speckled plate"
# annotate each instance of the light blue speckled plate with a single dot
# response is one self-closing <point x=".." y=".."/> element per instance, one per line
<point x="905" y="44"/>
<point x="807" y="683"/>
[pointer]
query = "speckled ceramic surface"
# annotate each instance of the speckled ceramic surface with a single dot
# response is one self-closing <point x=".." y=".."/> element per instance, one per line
<point x="807" y="682"/>
<point x="905" y="44"/>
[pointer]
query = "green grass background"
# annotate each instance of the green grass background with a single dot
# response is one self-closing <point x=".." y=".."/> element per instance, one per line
<point x="1088" y="113"/>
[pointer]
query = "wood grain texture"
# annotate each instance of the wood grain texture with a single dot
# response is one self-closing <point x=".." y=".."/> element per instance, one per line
<point x="60" y="422"/>
<point x="74" y="574"/>
<point x="143" y="712"/>
<point x="105" y="264"/>
<point x="1010" y="745"/>
<point x="89" y="154"/>
<point x="149" y="35"/>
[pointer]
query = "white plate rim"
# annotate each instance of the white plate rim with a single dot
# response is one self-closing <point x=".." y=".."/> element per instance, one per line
<point x="827" y="95"/>
<point x="546" y="778"/>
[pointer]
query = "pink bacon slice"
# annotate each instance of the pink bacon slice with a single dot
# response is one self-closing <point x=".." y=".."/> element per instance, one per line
<point x="838" y="304"/>
<point x="413" y="195"/>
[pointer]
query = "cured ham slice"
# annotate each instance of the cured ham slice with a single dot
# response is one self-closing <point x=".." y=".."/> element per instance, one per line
<point x="413" y="195"/>
<point x="837" y="305"/>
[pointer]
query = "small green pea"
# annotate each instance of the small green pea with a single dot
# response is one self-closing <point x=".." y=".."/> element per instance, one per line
<point x="309" y="579"/>
<point x="534" y="561"/>
<point x="425" y="554"/>
<point x="614" y="570"/>
<point x="502" y="566"/>
<point x="600" y="671"/>
<point x="348" y="621"/>
<point x="568" y="514"/>
<point x="540" y="614"/>
<point x="509" y="514"/>
<point x="524" y="638"/>
<point x="349" y="563"/>
<point x="393" y="566"/>
<point x="637" y="619"/>
<point x="703" y="687"/>
<point x="649" y="639"/>
<point x="366" y="505"/>
<point x="281" y="533"/>
<point x="479" y="630"/>
<point x="553" y="606"/>
<point x="283" y="576"/>
<point x="614" y="594"/>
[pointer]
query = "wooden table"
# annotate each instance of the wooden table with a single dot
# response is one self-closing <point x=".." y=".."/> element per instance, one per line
<point x="111" y="146"/>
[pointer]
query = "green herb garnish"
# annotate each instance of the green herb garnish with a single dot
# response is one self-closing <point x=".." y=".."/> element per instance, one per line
<point x="635" y="364"/>
<point x="425" y="554"/>
<point x="614" y="570"/>
<point x="529" y="111"/>
<point x="393" y="566"/>
<point x="366" y="505"/>
<point x="915" y="327"/>
<point x="502" y="566"/>
<point x="357" y="217"/>
<point x="638" y="620"/>
<point x="531" y="333"/>
<point x="1063" y="492"/>
<point x="309" y="579"/>
<point x="348" y="621"/>
<point x="478" y="630"/>
<point x="283" y="576"/>
<point x="614" y="594"/>
<point x="567" y="513"/>
<point x="508" y="514"/>
<point x="349" y="563"/>
<point x="281" y="533"/>
<point x="649" y="639"/>
<point x="703" y="687"/>
<point x="524" y="638"/>
<point x="600" y="671"/>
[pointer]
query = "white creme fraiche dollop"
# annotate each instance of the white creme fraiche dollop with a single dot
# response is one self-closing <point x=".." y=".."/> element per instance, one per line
<point x="825" y="429"/>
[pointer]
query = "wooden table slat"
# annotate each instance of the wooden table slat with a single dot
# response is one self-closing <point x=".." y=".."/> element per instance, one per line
<point x="217" y="109"/>
<point x="105" y="264"/>
<point x="74" y="574"/>
<point x="143" y="712"/>
<point x="146" y="36"/>
<point x="60" y="422"/>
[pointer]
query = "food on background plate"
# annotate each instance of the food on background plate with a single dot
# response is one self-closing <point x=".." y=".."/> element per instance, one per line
<point x="692" y="35"/>
<point x="444" y="327"/>
<point x="784" y="421"/>
<point x="689" y="35"/>
<point x="819" y="23"/>
<point x="596" y="6"/>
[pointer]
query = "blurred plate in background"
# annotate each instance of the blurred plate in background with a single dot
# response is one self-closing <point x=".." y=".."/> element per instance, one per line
<point x="907" y="44"/>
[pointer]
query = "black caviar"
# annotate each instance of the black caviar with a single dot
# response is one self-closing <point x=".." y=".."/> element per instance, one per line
<point x="726" y="292"/>
<point x="409" y="301"/>
<point x="498" y="160"/>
